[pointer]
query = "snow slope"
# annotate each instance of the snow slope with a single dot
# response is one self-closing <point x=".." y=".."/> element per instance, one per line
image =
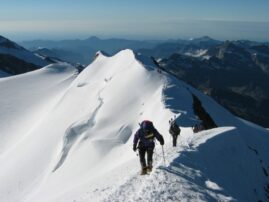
<point x="26" y="98"/>
<point x="70" y="139"/>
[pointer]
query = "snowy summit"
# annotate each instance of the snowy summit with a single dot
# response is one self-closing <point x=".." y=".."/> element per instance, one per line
<point x="68" y="137"/>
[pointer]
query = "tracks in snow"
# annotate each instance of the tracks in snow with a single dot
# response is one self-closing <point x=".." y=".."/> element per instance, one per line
<point x="173" y="182"/>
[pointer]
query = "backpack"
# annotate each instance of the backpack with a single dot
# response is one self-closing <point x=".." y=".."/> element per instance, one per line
<point x="146" y="125"/>
<point x="147" y="129"/>
<point x="174" y="129"/>
<point x="146" y="134"/>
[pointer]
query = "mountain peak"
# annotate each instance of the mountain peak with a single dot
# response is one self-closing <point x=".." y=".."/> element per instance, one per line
<point x="17" y="59"/>
<point x="93" y="38"/>
<point x="205" y="38"/>
<point x="102" y="53"/>
<point x="232" y="47"/>
<point x="205" y="42"/>
<point x="6" y="43"/>
<point x="3" y="39"/>
<point x="126" y="54"/>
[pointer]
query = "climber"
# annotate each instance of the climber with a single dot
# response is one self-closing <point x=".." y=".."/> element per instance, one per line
<point x="174" y="130"/>
<point x="146" y="135"/>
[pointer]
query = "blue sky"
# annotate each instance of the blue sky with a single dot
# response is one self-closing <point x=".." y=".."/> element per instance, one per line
<point x="141" y="19"/>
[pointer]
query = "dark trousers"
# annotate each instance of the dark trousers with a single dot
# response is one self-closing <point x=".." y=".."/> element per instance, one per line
<point x="174" y="140"/>
<point x="142" y="152"/>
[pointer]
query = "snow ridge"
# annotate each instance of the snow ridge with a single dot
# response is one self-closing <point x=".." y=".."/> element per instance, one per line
<point x="81" y="144"/>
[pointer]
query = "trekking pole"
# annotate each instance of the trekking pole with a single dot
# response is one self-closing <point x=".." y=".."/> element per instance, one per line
<point x="163" y="156"/>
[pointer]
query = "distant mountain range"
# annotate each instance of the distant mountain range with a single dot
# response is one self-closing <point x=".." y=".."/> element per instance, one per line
<point x="236" y="74"/>
<point x="83" y="51"/>
<point x="192" y="47"/>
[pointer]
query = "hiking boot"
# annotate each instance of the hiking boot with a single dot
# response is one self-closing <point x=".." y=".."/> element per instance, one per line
<point x="149" y="169"/>
<point x="143" y="171"/>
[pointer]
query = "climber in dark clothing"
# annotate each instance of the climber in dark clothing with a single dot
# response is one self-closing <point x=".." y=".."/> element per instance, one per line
<point x="146" y="135"/>
<point x="174" y="130"/>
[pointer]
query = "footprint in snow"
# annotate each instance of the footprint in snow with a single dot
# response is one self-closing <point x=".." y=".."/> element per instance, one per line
<point x="82" y="84"/>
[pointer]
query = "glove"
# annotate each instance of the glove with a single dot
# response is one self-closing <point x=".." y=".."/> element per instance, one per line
<point x="134" y="148"/>
<point x="162" y="141"/>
